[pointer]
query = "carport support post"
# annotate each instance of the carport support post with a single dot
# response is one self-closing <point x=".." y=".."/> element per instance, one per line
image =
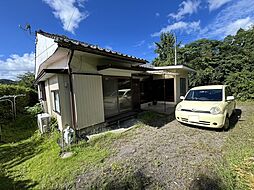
<point x="165" y="93"/>
<point x="14" y="104"/>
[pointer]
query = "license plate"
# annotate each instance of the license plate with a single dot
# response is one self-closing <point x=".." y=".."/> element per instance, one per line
<point x="193" y="118"/>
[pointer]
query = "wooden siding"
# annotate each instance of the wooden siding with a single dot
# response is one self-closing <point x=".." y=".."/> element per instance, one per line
<point x="88" y="97"/>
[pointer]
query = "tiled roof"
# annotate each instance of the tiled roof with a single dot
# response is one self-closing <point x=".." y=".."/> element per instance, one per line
<point x="92" y="48"/>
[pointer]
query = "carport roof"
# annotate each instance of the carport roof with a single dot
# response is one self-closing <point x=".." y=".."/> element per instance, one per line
<point x="170" y="67"/>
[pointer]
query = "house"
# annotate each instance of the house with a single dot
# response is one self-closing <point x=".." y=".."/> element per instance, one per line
<point x="85" y="86"/>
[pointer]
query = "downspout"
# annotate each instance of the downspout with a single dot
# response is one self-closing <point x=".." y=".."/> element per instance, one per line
<point x="72" y="102"/>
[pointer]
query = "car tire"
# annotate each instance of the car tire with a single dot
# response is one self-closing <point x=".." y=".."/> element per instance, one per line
<point x="226" y="124"/>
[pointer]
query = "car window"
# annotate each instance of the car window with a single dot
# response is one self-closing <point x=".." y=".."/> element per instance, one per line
<point x="205" y="95"/>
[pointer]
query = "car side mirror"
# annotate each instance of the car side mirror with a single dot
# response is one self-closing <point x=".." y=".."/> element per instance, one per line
<point x="230" y="98"/>
<point x="181" y="97"/>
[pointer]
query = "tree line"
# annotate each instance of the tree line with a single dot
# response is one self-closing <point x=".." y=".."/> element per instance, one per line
<point x="228" y="61"/>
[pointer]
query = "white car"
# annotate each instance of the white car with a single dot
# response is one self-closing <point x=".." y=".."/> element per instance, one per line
<point x="206" y="106"/>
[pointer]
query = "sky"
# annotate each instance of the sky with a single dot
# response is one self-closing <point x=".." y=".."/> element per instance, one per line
<point x="130" y="27"/>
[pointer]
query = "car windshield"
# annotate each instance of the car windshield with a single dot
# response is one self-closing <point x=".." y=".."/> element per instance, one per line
<point x="205" y="95"/>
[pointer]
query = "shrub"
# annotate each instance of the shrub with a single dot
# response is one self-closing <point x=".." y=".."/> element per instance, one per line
<point x="29" y="100"/>
<point x="21" y="102"/>
<point x="34" y="110"/>
<point x="242" y="84"/>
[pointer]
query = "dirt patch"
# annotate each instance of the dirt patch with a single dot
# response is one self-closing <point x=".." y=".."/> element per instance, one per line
<point x="167" y="157"/>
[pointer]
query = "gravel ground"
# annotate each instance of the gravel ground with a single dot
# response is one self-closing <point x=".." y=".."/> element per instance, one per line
<point x="173" y="156"/>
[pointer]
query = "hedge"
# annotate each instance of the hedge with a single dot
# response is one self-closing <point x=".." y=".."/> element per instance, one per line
<point x="30" y="99"/>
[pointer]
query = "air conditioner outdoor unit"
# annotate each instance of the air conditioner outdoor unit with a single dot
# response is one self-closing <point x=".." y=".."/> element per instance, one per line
<point x="43" y="121"/>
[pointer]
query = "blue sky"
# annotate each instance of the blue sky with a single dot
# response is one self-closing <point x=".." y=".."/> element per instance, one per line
<point x="129" y="27"/>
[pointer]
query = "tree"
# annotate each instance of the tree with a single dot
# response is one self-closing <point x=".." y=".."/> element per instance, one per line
<point x="27" y="80"/>
<point x="229" y="61"/>
<point x="165" y="49"/>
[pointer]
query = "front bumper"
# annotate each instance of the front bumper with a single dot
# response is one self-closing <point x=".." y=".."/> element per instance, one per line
<point x="201" y="119"/>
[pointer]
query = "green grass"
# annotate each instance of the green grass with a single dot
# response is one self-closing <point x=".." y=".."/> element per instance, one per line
<point x="34" y="162"/>
<point x="238" y="169"/>
<point x="29" y="160"/>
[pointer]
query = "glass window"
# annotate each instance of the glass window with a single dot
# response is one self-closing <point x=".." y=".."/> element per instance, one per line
<point x="182" y="86"/>
<point x="42" y="93"/>
<point x="117" y="95"/>
<point x="110" y="96"/>
<point x="205" y="95"/>
<point x="56" y="101"/>
<point x="124" y="94"/>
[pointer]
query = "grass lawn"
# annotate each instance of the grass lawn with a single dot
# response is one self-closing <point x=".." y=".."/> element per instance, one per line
<point x="29" y="160"/>
<point x="238" y="169"/>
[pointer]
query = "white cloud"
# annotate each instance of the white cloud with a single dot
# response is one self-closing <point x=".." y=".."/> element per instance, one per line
<point x="157" y="14"/>
<point x="68" y="12"/>
<point x="230" y="20"/>
<point x="215" y="4"/>
<point x="152" y="46"/>
<point x="232" y="28"/>
<point x="140" y="43"/>
<point x="181" y="26"/>
<point x="186" y="7"/>
<point x="1" y="55"/>
<point x="16" y="64"/>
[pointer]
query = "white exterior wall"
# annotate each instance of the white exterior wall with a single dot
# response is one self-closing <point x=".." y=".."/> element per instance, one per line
<point x="177" y="85"/>
<point x="45" y="47"/>
<point x="81" y="64"/>
<point x="65" y="105"/>
<point x="88" y="97"/>
<point x="59" y="82"/>
<point x="88" y="64"/>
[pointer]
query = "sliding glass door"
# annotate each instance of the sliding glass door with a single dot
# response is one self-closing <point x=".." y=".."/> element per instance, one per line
<point x="116" y="95"/>
<point x="124" y="94"/>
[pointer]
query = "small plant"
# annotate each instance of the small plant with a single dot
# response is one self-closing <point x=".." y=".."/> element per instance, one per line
<point x="53" y="124"/>
<point x="34" y="110"/>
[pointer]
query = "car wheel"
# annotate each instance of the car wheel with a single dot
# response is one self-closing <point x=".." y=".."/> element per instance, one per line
<point x="226" y="124"/>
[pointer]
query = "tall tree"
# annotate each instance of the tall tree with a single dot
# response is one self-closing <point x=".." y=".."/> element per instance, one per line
<point x="165" y="49"/>
<point x="27" y="79"/>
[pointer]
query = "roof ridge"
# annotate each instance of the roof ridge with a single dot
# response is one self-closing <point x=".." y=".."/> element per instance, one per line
<point x="64" y="38"/>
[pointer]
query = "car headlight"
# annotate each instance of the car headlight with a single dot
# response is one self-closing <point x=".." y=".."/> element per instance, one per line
<point x="178" y="107"/>
<point x="215" y="110"/>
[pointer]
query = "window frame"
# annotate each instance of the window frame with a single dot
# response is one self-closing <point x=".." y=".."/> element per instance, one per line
<point x="42" y="89"/>
<point x="54" y="100"/>
<point x="181" y="87"/>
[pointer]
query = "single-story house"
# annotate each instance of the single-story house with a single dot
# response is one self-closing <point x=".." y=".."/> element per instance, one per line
<point x="83" y="85"/>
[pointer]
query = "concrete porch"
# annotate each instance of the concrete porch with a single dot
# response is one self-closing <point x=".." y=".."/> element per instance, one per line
<point x="164" y="108"/>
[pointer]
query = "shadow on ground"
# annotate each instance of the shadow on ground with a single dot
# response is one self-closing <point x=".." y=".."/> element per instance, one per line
<point x="205" y="182"/>
<point x="8" y="183"/>
<point x="154" y="119"/>
<point x="16" y="148"/>
<point x="207" y="179"/>
<point x="118" y="177"/>
<point x="11" y="156"/>
<point x="235" y="118"/>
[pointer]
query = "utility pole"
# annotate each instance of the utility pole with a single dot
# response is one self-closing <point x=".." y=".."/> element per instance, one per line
<point x="175" y="51"/>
